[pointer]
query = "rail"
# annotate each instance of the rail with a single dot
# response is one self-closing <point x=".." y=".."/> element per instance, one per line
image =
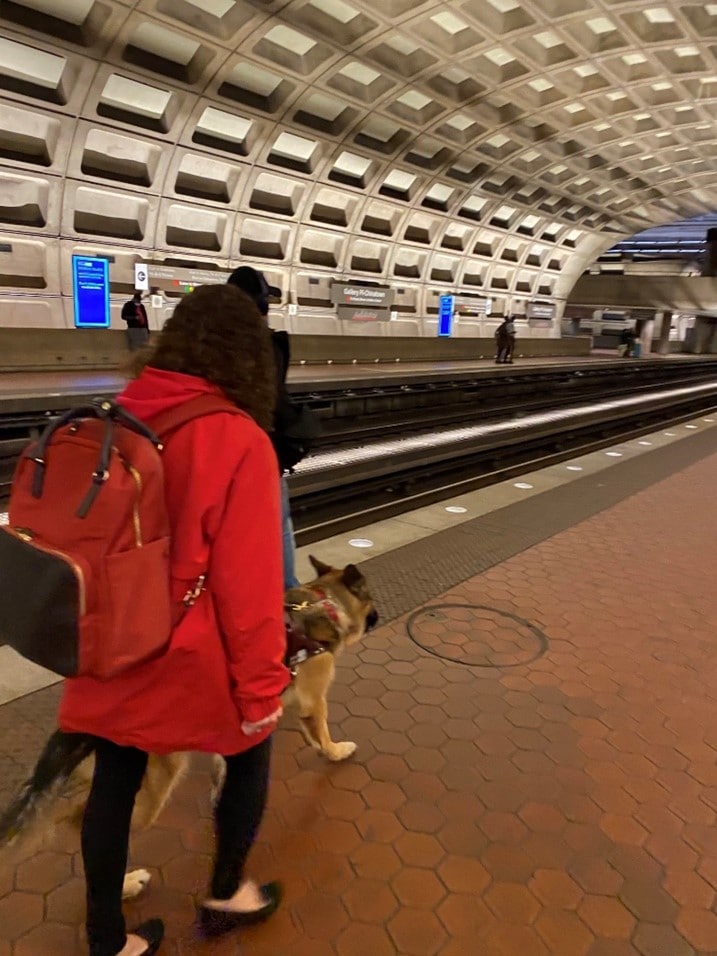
<point x="335" y="492"/>
<point x="450" y="434"/>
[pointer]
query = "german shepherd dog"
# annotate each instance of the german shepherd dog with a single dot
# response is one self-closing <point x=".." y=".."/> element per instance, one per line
<point x="329" y="613"/>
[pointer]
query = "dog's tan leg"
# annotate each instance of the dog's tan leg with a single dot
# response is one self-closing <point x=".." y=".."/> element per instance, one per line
<point x="313" y="680"/>
<point x="308" y="731"/>
<point x="218" y="775"/>
<point x="163" y="775"/>
<point x="317" y="729"/>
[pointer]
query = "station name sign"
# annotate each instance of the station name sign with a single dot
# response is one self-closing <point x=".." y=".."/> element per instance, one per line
<point x="541" y="310"/>
<point x="374" y="296"/>
<point x="362" y="303"/>
<point x="473" y="305"/>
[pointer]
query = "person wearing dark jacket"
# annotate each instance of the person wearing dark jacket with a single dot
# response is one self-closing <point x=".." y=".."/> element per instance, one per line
<point x="505" y="341"/>
<point x="135" y="315"/>
<point x="294" y="425"/>
<point x="627" y="342"/>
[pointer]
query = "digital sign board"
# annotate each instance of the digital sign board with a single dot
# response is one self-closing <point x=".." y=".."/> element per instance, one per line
<point x="446" y="308"/>
<point x="91" y="292"/>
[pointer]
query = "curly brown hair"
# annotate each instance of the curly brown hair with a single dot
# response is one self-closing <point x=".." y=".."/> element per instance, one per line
<point x="217" y="333"/>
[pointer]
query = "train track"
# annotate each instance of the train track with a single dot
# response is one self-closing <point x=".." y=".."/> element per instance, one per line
<point x="362" y="414"/>
<point x="381" y="482"/>
<point x="453" y="435"/>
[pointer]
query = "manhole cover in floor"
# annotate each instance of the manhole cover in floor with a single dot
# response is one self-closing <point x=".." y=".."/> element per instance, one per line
<point x="476" y="636"/>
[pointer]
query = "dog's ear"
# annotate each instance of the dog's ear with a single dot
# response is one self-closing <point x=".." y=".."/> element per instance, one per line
<point x="319" y="566"/>
<point x="352" y="577"/>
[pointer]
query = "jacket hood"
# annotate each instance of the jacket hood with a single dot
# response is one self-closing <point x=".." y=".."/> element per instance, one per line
<point x="156" y="391"/>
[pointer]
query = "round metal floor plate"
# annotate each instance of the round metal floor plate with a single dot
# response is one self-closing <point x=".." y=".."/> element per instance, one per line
<point x="476" y="635"/>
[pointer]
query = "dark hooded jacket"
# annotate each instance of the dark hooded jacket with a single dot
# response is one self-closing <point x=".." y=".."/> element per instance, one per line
<point x="295" y="425"/>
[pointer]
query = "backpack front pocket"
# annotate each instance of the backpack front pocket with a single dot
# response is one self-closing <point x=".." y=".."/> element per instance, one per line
<point x="138" y="617"/>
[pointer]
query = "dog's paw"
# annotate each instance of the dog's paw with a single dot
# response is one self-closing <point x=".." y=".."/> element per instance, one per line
<point x="134" y="883"/>
<point x="342" y="750"/>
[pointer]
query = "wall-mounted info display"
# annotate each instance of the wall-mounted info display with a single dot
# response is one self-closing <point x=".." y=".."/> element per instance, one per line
<point x="91" y="290"/>
<point x="446" y="311"/>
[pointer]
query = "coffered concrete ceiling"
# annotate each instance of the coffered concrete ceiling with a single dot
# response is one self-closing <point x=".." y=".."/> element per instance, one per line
<point x="498" y="145"/>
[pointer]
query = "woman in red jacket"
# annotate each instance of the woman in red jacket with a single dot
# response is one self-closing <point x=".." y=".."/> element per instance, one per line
<point x="217" y="688"/>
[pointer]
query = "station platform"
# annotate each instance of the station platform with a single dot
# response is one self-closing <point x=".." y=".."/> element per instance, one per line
<point x="536" y="772"/>
<point x="26" y="388"/>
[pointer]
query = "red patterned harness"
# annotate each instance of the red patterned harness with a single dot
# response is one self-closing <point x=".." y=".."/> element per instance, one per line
<point x="299" y="646"/>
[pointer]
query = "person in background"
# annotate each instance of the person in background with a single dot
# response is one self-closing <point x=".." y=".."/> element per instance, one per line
<point x="294" y="425"/>
<point x="505" y="341"/>
<point x="627" y="342"/>
<point x="135" y="315"/>
<point x="217" y="687"/>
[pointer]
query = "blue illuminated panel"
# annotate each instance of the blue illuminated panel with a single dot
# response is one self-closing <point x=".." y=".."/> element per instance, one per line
<point x="91" y="289"/>
<point x="446" y="306"/>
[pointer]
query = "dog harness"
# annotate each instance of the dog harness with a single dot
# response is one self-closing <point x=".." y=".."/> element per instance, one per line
<point x="299" y="646"/>
<point x="323" y="601"/>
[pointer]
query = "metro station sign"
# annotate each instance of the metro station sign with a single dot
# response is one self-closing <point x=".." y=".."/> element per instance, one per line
<point x="541" y="310"/>
<point x="473" y="305"/>
<point x="362" y="296"/>
<point x="362" y="303"/>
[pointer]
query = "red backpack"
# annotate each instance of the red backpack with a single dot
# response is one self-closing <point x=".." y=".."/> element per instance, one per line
<point x="84" y="560"/>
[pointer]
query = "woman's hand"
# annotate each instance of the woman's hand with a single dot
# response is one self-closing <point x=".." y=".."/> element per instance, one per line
<point x="250" y="729"/>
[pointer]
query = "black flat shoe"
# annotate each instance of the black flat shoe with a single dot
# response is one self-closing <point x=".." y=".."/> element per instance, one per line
<point x="218" y="922"/>
<point x="152" y="932"/>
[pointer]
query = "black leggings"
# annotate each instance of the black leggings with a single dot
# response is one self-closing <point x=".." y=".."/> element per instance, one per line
<point x="105" y="832"/>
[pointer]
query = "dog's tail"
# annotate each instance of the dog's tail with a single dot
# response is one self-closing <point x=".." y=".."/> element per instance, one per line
<point x="61" y="755"/>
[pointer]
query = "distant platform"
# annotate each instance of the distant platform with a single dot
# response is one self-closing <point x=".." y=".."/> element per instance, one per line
<point x="29" y="390"/>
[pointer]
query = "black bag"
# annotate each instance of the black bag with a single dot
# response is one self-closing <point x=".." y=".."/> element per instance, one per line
<point x="296" y="427"/>
<point x="43" y="629"/>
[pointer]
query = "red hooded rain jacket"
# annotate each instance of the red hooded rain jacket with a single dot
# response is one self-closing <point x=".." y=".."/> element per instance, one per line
<point x="225" y="661"/>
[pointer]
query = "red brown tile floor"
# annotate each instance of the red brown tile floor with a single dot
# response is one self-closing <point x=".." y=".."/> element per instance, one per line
<point x="562" y="805"/>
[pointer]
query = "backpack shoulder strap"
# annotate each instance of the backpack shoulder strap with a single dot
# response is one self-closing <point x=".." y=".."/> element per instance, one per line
<point x="168" y="422"/>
